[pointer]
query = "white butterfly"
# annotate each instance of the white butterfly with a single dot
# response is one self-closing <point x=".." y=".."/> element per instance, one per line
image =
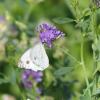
<point x="34" y="58"/>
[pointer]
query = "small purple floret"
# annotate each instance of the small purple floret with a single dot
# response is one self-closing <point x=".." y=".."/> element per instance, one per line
<point x="38" y="90"/>
<point x="48" y="33"/>
<point x="2" y="19"/>
<point x="28" y="76"/>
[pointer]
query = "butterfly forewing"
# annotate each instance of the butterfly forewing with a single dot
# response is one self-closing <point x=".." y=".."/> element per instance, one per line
<point x="39" y="56"/>
<point x="26" y="62"/>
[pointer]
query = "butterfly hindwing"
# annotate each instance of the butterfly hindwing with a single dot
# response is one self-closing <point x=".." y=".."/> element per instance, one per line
<point x="26" y="62"/>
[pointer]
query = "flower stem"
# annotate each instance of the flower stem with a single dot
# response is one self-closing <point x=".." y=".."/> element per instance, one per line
<point x="84" y="67"/>
<point x="95" y="41"/>
<point x="66" y="52"/>
<point x="28" y="13"/>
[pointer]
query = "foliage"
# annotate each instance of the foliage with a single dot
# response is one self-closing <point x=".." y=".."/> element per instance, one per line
<point x="74" y="70"/>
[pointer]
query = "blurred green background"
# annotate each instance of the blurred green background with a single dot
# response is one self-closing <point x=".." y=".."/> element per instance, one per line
<point x="64" y="78"/>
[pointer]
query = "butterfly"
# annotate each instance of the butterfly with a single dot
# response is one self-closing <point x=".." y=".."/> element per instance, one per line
<point x="34" y="58"/>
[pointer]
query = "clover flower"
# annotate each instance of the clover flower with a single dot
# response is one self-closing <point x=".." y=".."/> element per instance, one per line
<point x="28" y="76"/>
<point x="37" y="98"/>
<point x="48" y="33"/>
<point x="38" y="90"/>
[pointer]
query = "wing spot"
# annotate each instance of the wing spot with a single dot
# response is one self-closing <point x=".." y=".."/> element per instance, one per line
<point x="34" y="58"/>
<point x="27" y="62"/>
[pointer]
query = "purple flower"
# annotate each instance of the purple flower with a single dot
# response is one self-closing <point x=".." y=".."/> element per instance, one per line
<point x="37" y="98"/>
<point x="2" y="18"/>
<point x="28" y="76"/>
<point x="38" y="90"/>
<point x="48" y="33"/>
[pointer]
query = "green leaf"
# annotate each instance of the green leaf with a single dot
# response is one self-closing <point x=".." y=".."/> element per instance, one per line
<point x="21" y="25"/>
<point x="97" y="91"/>
<point x="85" y="96"/>
<point x="2" y="81"/>
<point x="3" y="78"/>
<point x="86" y="12"/>
<point x="48" y="78"/>
<point x="60" y="20"/>
<point x="11" y="75"/>
<point x="63" y="71"/>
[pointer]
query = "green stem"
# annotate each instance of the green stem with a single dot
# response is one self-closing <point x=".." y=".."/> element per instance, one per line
<point x="28" y="13"/>
<point x="66" y="52"/>
<point x="84" y="67"/>
<point x="95" y="69"/>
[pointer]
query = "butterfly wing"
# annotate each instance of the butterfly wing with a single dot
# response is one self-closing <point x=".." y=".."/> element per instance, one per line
<point x="39" y="56"/>
<point x="26" y="62"/>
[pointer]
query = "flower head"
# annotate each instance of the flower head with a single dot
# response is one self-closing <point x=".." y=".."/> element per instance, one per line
<point x="48" y="33"/>
<point x="28" y="76"/>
